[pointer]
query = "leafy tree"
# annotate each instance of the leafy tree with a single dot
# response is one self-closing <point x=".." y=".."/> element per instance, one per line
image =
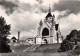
<point x="73" y="32"/>
<point x="8" y="40"/>
<point x="79" y="34"/>
<point x="72" y="36"/>
<point x="68" y="37"/>
<point x="4" y="32"/>
<point x="66" y="45"/>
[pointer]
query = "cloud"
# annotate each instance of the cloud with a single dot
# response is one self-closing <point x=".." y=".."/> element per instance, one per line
<point x="28" y="1"/>
<point x="69" y="23"/>
<point x="68" y="15"/>
<point x="44" y="5"/>
<point x="8" y="6"/>
<point x="72" y="5"/>
<point x="25" y="15"/>
<point x="25" y="23"/>
<point x="64" y="13"/>
<point x="24" y="18"/>
<point x="47" y="1"/>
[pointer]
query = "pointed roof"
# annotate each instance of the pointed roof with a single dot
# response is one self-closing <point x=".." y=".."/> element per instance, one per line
<point x="49" y="13"/>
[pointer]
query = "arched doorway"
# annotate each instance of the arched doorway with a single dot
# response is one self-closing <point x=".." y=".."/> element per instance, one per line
<point x="45" y="32"/>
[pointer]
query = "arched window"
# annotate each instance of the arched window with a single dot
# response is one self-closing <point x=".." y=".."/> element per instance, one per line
<point x="45" y="32"/>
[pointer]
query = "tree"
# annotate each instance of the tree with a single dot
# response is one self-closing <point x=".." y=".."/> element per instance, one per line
<point x="68" y="37"/>
<point x="66" y="45"/>
<point x="4" y="32"/>
<point x="73" y="32"/>
<point x="73" y="35"/>
<point x="79" y="34"/>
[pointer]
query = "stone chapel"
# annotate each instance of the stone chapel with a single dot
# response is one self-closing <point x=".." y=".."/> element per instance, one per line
<point x="48" y="30"/>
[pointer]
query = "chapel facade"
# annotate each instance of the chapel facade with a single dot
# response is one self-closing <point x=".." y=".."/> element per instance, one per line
<point x="48" y="30"/>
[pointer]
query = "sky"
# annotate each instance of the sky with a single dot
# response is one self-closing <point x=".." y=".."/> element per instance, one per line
<point x="25" y="15"/>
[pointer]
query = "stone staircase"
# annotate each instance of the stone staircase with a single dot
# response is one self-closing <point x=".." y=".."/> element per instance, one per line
<point x="31" y="48"/>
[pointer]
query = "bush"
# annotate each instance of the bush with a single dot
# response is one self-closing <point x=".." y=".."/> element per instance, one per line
<point x="4" y="48"/>
<point x="66" y="45"/>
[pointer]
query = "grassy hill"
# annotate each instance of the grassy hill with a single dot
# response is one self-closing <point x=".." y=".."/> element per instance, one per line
<point x="34" y="54"/>
<point x="42" y="50"/>
<point x="37" y="48"/>
<point x="19" y="48"/>
<point x="48" y="47"/>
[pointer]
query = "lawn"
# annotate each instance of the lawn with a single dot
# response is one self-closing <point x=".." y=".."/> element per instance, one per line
<point x="37" y="54"/>
<point x="48" y="47"/>
<point x="19" y="48"/>
<point x="42" y="50"/>
<point x="34" y="54"/>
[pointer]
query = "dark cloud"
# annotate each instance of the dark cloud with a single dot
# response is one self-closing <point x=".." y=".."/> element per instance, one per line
<point x="9" y="6"/>
<point x="72" y="5"/>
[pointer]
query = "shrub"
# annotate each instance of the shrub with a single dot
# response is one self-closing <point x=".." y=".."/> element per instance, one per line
<point x="66" y="45"/>
<point x="4" y="47"/>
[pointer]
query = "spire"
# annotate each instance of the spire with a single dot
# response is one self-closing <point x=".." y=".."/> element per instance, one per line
<point x="49" y="8"/>
<point x="49" y="12"/>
